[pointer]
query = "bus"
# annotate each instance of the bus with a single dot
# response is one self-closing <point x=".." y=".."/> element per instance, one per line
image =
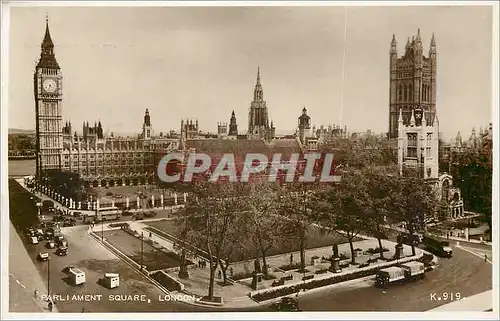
<point x="111" y="213"/>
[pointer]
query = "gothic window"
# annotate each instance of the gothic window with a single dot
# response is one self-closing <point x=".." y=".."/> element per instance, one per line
<point x="405" y="93"/>
<point x="429" y="145"/>
<point x="400" y="92"/>
<point x="410" y="92"/>
<point x="412" y="145"/>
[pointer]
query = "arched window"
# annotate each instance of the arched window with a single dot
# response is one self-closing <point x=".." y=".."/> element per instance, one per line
<point x="405" y="93"/>
<point x="400" y="92"/>
<point x="428" y="93"/>
<point x="410" y="89"/>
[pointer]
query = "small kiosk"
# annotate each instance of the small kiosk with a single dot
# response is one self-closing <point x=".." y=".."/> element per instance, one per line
<point x="111" y="280"/>
<point x="76" y="276"/>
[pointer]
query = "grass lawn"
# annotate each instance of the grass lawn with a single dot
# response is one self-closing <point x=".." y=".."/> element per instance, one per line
<point x="152" y="258"/>
<point x="316" y="239"/>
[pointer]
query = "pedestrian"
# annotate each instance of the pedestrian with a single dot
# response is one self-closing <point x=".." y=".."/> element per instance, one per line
<point x="51" y="306"/>
<point x="83" y="310"/>
<point x="220" y="274"/>
<point x="36" y="294"/>
<point x="231" y="271"/>
<point x="485" y="258"/>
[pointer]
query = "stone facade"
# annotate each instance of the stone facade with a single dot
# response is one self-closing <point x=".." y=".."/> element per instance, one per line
<point x="412" y="81"/>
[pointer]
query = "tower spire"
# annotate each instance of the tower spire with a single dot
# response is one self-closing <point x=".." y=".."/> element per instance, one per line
<point x="258" y="94"/>
<point x="47" y="57"/>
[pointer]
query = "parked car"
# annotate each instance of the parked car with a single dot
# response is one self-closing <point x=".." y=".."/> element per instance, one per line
<point x="62" y="251"/>
<point x="43" y="256"/>
<point x="62" y="243"/>
<point x="49" y="234"/>
<point x="50" y="245"/>
<point x="34" y="240"/>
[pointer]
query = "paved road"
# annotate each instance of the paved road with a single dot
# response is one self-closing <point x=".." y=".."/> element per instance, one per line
<point x="465" y="274"/>
<point x="95" y="260"/>
<point x="23" y="278"/>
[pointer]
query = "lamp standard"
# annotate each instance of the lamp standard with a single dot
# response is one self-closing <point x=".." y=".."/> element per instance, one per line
<point x="142" y="249"/>
<point x="48" y="277"/>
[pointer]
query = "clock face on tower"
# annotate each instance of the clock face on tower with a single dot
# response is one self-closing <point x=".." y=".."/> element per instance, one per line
<point x="49" y="85"/>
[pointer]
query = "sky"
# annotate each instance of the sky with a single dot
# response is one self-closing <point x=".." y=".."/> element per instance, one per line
<point x="201" y="62"/>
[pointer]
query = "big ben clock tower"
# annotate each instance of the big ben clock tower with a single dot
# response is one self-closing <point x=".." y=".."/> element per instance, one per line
<point x="47" y="80"/>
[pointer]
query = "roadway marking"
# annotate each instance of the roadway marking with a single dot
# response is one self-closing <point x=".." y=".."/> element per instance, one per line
<point x="17" y="281"/>
<point x="474" y="253"/>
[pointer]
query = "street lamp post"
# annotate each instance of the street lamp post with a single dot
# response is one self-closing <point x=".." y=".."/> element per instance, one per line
<point x="142" y="249"/>
<point x="48" y="277"/>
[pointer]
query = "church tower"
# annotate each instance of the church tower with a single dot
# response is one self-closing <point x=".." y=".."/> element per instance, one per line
<point x="412" y="82"/>
<point x="147" y="129"/>
<point x="258" y="121"/>
<point x="47" y="80"/>
<point x="304" y="125"/>
<point x="233" y="126"/>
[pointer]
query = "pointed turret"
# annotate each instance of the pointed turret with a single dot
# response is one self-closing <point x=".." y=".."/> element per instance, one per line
<point x="47" y="57"/>
<point x="458" y="140"/>
<point x="418" y="39"/>
<point x="432" y="48"/>
<point x="394" y="44"/>
<point x="407" y="44"/>
<point x="412" y="119"/>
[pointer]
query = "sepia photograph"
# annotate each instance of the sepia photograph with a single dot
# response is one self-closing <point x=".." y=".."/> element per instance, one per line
<point x="173" y="159"/>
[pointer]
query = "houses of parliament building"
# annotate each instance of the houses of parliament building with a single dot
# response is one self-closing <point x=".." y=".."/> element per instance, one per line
<point x="106" y="160"/>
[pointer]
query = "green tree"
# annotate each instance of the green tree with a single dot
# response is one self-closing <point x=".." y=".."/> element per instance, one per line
<point x="210" y="216"/>
<point x="296" y="208"/>
<point x="412" y="197"/>
<point x="264" y="228"/>
<point x="341" y="207"/>
<point x="473" y="173"/>
<point x="379" y="205"/>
